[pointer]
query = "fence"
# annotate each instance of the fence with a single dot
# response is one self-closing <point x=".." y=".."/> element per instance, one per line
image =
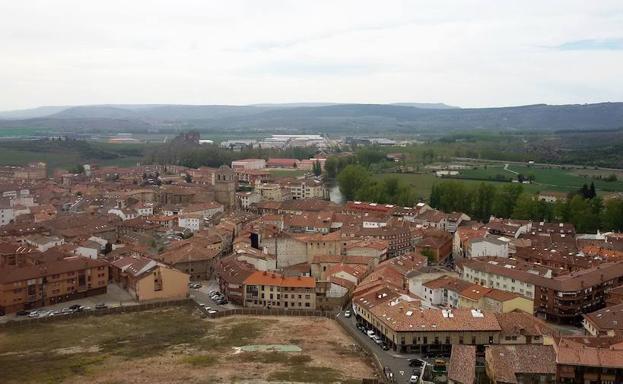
<point x="224" y="313"/>
<point x="97" y="312"/>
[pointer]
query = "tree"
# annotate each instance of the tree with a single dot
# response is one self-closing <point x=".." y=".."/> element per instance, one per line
<point x="591" y="191"/>
<point x="429" y="254"/>
<point x="584" y="191"/>
<point x="582" y="214"/>
<point x="330" y="167"/>
<point x="78" y="169"/>
<point x="505" y="199"/>
<point x="612" y="215"/>
<point x="526" y="207"/>
<point x="351" y="179"/>
<point x="483" y="202"/>
<point x="317" y="168"/>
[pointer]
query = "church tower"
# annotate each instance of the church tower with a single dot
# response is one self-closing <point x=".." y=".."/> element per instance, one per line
<point x="225" y="187"/>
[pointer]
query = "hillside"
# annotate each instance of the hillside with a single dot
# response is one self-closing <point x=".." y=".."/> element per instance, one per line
<point x="327" y="118"/>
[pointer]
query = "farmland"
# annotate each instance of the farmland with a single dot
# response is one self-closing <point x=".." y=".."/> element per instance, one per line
<point x="174" y="345"/>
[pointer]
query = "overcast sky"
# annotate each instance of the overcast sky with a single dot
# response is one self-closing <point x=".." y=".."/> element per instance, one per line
<point x="465" y="53"/>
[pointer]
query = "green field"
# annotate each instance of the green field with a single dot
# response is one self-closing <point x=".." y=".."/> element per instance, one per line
<point x="423" y="183"/>
<point x="67" y="155"/>
<point x="548" y="178"/>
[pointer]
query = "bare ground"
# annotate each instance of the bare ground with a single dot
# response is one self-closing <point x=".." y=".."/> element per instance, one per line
<point x="178" y="347"/>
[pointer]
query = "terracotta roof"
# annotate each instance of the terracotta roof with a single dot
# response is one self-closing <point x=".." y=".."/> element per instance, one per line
<point x="69" y="264"/>
<point x="462" y="366"/>
<point x="586" y="351"/>
<point x="275" y="279"/>
<point x="411" y="317"/>
<point x="609" y="318"/>
<point x="505" y="362"/>
<point x="518" y="323"/>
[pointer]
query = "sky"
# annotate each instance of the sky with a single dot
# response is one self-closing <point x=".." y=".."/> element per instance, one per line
<point x="468" y="53"/>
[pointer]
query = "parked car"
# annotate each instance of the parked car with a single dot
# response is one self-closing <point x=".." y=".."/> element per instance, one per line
<point x="33" y="314"/>
<point x="347" y="314"/>
<point x="416" y="363"/>
<point x="414" y="379"/>
<point x="212" y="312"/>
<point x="75" y="307"/>
<point x="385" y="347"/>
<point x="370" y="334"/>
<point x="101" y="306"/>
<point x="22" y="313"/>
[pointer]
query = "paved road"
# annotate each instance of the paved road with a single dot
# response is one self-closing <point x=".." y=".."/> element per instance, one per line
<point x="114" y="297"/>
<point x="202" y="295"/>
<point x="397" y="362"/>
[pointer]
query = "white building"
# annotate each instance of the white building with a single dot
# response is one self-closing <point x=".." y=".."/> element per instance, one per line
<point x="488" y="246"/>
<point x="43" y="243"/>
<point x="248" y="164"/>
<point x="248" y="198"/>
<point x="191" y="221"/>
<point x="7" y="213"/>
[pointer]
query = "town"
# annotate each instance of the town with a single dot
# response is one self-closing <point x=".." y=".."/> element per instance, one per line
<point x="432" y="295"/>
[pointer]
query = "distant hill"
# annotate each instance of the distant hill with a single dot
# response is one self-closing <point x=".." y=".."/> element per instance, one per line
<point x="31" y="113"/>
<point x="426" y="105"/>
<point x="320" y="117"/>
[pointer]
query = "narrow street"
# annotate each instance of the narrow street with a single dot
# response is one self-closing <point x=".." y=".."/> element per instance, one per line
<point x="398" y="363"/>
<point x="202" y="295"/>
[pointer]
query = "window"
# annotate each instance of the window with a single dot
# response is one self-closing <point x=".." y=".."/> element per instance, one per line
<point x="307" y="304"/>
<point x="490" y="339"/>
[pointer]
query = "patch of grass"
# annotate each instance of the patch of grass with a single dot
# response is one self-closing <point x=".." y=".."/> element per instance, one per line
<point x="46" y="368"/>
<point x="344" y="350"/>
<point x="306" y="374"/>
<point x="234" y="334"/>
<point x="30" y="354"/>
<point x="287" y="358"/>
<point x="201" y="360"/>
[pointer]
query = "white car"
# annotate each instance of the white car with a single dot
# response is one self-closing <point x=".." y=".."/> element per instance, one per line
<point x="370" y="334"/>
<point x="347" y="314"/>
<point x="414" y="379"/>
<point x="33" y="314"/>
<point x="212" y="312"/>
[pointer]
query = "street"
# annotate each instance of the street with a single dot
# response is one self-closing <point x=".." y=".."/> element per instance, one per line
<point x="114" y="297"/>
<point x="398" y="363"/>
<point x="202" y="295"/>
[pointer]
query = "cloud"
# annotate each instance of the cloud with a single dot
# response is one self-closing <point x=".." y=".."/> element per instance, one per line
<point x="592" y="45"/>
<point x="466" y="53"/>
<point x="311" y="68"/>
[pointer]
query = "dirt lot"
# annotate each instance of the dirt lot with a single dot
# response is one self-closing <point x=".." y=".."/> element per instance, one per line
<point x="175" y="346"/>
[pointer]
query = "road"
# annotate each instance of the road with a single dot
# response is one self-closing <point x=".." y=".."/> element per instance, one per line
<point x="202" y="295"/>
<point x="398" y="363"/>
<point x="114" y="297"/>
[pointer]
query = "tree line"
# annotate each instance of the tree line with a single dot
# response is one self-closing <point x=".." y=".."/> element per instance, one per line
<point x="582" y="208"/>
<point x="357" y="183"/>
<point x="211" y="155"/>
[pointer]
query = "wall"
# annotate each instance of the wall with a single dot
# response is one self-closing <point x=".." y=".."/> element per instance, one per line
<point x="174" y="286"/>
